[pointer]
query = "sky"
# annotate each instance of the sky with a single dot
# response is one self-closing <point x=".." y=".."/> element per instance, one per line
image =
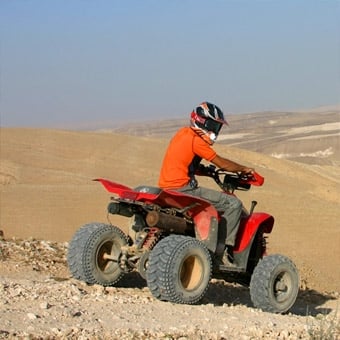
<point x="77" y="62"/>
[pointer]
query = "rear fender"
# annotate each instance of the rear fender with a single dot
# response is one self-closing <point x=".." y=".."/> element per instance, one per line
<point x="198" y="209"/>
<point x="125" y="192"/>
<point x="165" y="198"/>
<point x="248" y="228"/>
<point x="204" y="215"/>
<point x="112" y="186"/>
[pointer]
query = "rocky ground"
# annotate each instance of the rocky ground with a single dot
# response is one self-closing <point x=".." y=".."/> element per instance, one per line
<point x="39" y="300"/>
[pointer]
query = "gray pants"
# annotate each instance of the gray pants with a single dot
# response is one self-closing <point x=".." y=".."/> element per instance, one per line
<point x="230" y="205"/>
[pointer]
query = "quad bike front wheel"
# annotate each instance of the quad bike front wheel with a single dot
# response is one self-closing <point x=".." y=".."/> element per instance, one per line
<point x="179" y="269"/>
<point x="274" y="284"/>
<point x="94" y="254"/>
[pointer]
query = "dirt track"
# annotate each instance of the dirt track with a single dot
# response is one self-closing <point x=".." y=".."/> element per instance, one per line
<point x="40" y="300"/>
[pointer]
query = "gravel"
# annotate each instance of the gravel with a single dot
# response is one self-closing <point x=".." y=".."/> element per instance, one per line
<point x="39" y="300"/>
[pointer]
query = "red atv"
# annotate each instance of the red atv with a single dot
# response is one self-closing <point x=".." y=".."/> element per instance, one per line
<point x="175" y="243"/>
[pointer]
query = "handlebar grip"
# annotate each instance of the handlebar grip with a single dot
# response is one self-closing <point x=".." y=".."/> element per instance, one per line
<point x="257" y="179"/>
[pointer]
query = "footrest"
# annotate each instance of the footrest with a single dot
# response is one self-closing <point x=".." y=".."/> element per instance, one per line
<point x="224" y="268"/>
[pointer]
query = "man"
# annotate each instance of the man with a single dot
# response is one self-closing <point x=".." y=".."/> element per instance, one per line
<point x="186" y="150"/>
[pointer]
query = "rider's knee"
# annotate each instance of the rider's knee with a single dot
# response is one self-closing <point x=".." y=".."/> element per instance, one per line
<point x="235" y="204"/>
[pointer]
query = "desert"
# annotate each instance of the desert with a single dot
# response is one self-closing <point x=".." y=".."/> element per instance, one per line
<point x="47" y="193"/>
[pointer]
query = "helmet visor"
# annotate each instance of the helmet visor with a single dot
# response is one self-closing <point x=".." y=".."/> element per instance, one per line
<point x="213" y="126"/>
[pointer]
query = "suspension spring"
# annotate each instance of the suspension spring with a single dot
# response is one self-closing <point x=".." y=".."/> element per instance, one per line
<point x="152" y="238"/>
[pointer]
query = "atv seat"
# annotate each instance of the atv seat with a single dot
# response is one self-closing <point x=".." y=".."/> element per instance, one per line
<point x="148" y="189"/>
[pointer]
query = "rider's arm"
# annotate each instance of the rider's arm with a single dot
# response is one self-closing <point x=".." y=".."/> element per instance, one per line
<point x="231" y="166"/>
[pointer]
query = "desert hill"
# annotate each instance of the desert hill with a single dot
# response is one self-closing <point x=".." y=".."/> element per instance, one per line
<point x="47" y="192"/>
<point x="311" y="137"/>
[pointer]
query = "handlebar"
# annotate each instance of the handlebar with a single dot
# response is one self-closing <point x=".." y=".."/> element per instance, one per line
<point x="231" y="181"/>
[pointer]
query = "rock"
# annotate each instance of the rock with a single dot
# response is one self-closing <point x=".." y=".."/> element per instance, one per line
<point x="32" y="316"/>
<point x="45" y="305"/>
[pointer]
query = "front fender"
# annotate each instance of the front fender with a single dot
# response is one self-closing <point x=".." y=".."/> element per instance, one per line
<point x="249" y="225"/>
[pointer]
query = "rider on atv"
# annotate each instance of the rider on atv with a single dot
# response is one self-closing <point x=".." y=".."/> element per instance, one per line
<point x="176" y="241"/>
<point x="182" y="161"/>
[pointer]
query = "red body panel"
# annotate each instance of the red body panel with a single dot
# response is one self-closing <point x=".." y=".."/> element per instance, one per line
<point x="126" y="192"/>
<point x="201" y="213"/>
<point x="249" y="226"/>
<point x="166" y="198"/>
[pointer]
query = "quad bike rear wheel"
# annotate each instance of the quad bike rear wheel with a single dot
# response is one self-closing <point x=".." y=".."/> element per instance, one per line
<point x="179" y="269"/>
<point x="76" y="249"/>
<point x="95" y="252"/>
<point x="274" y="284"/>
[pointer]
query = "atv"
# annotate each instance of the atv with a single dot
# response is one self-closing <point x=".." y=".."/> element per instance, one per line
<point x="176" y="244"/>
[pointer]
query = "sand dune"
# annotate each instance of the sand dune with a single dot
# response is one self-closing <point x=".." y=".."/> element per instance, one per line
<point x="47" y="192"/>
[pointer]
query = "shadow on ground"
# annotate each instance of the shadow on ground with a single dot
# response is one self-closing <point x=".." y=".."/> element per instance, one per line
<point x="309" y="301"/>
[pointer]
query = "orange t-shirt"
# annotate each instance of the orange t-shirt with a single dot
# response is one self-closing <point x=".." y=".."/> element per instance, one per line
<point x="183" y="147"/>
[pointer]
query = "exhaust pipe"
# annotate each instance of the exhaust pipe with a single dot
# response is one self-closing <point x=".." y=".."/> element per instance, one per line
<point x="165" y="221"/>
<point x="115" y="208"/>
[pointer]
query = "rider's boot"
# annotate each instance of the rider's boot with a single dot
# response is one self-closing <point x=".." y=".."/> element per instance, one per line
<point x="228" y="257"/>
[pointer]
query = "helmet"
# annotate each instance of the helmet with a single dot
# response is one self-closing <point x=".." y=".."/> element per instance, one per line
<point x="207" y="120"/>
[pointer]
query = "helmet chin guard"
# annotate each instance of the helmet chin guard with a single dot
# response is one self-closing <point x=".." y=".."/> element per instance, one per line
<point x="213" y="137"/>
<point x="207" y="136"/>
<point x="207" y="120"/>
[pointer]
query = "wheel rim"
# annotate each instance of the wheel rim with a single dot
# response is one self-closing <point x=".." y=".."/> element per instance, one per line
<point x="282" y="287"/>
<point x="107" y="257"/>
<point x="191" y="273"/>
<point x="143" y="264"/>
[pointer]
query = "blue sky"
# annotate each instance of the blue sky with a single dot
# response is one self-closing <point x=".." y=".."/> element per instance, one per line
<point x="70" y="62"/>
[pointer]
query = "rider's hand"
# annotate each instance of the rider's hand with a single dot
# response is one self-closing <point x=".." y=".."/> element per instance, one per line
<point x="247" y="171"/>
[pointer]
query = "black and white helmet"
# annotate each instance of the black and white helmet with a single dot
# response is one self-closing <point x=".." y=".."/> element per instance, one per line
<point x="207" y="120"/>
